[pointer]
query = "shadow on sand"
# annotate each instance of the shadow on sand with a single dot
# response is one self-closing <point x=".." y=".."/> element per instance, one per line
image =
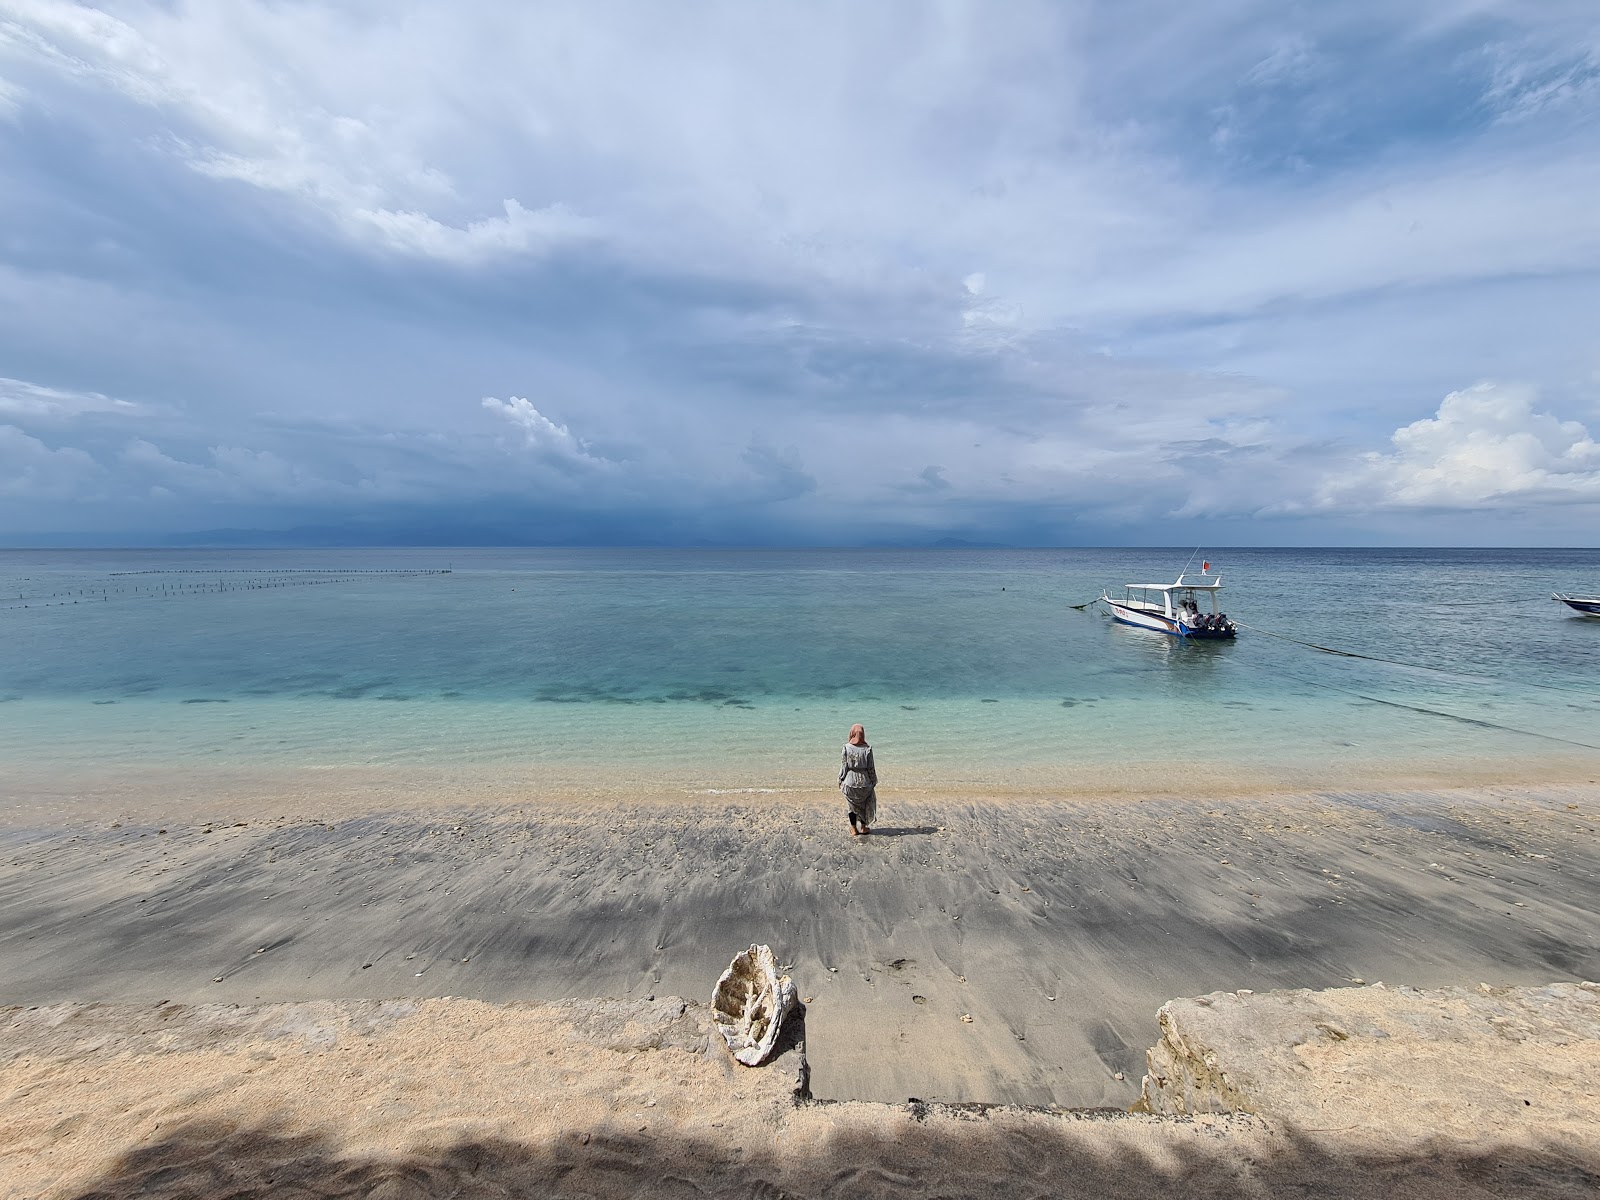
<point x="892" y="831"/>
<point x="1075" y="1158"/>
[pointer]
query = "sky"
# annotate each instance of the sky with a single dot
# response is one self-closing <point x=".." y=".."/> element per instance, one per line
<point x="1234" y="272"/>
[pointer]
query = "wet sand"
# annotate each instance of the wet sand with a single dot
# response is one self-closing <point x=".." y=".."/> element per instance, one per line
<point x="1057" y="926"/>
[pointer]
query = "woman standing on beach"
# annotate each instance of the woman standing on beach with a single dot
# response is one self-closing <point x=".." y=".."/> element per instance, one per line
<point x="858" y="780"/>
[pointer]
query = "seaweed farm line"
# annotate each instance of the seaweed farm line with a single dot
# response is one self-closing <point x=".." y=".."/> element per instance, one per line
<point x="259" y="580"/>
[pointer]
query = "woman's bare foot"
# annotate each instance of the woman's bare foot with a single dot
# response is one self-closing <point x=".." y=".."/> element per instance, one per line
<point x="854" y="832"/>
<point x="864" y="829"/>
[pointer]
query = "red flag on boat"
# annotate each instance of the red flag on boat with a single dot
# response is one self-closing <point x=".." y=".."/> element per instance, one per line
<point x="1204" y="567"/>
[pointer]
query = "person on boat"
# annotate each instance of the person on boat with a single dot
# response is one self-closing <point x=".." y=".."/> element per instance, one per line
<point x="858" y="780"/>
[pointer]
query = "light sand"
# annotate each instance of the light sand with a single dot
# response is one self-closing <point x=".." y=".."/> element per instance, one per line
<point x="1058" y="927"/>
<point x="1400" y="1064"/>
<point x="452" y="1098"/>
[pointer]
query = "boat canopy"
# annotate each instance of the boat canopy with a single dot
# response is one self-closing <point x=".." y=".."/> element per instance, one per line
<point x="1209" y="582"/>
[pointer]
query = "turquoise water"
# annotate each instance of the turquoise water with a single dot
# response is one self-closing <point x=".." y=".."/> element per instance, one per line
<point x="733" y="669"/>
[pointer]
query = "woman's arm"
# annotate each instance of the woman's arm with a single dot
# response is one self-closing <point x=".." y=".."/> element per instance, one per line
<point x="872" y="770"/>
<point x="844" y="756"/>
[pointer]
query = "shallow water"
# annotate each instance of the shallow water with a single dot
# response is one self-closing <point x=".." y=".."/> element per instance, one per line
<point x="744" y="668"/>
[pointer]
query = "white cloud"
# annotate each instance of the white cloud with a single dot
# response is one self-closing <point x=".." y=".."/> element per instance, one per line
<point x="518" y="232"/>
<point x="31" y="470"/>
<point x="542" y="434"/>
<point x="19" y="398"/>
<point x="1487" y="447"/>
<point x="305" y="126"/>
<point x="880" y="148"/>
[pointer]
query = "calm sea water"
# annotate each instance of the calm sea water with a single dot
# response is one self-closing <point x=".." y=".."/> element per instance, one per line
<point x="743" y="668"/>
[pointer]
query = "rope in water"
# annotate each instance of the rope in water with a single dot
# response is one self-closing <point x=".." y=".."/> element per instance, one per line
<point x="1456" y="674"/>
<point x="1283" y="637"/>
<point x="1482" y="603"/>
<point x="1439" y="712"/>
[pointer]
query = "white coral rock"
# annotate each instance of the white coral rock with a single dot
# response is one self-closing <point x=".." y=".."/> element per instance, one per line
<point x="750" y="1003"/>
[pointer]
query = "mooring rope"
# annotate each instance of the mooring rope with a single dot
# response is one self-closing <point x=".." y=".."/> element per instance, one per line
<point x="1439" y="712"/>
<point x="1283" y="637"/>
<point x="1483" y="603"/>
<point x="1396" y="662"/>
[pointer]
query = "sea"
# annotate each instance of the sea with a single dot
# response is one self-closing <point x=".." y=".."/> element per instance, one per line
<point x="738" y="671"/>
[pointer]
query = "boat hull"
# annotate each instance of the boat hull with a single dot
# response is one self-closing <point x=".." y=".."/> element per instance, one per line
<point x="1589" y="606"/>
<point x="1140" y="619"/>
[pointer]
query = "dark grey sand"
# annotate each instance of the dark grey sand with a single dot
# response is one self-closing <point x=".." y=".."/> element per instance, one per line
<point x="1058" y="928"/>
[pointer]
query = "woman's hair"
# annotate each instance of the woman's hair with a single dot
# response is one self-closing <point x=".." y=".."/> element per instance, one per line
<point x="858" y="735"/>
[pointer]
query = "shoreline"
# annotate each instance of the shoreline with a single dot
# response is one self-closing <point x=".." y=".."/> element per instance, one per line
<point x="39" y="796"/>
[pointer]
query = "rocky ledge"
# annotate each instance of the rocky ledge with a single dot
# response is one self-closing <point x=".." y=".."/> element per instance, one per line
<point x="1451" y="1062"/>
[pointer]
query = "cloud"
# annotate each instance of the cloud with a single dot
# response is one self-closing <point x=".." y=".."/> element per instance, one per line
<point x="1487" y="447"/>
<point x="235" y="473"/>
<point x="1292" y="61"/>
<point x="19" y="398"/>
<point x="780" y="474"/>
<point x="299" y="132"/>
<point x="555" y="443"/>
<point x="487" y="239"/>
<point x="1540" y="80"/>
<point x="878" y="149"/>
<point x="929" y="479"/>
<point x="31" y="470"/>
<point x="777" y="261"/>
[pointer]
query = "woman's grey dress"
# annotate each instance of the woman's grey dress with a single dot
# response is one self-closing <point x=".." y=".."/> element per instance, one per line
<point x="858" y="780"/>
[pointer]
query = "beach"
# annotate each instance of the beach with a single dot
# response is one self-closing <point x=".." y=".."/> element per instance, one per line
<point x="338" y="889"/>
<point x="1058" y="927"/>
<point x="991" y="951"/>
<point x="403" y="1099"/>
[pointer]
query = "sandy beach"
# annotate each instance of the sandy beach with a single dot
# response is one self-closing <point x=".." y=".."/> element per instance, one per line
<point x="409" y="1100"/>
<point x="972" y="951"/>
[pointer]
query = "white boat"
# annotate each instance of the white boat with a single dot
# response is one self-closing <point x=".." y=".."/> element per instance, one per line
<point x="1187" y="608"/>
<point x="1589" y="606"/>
